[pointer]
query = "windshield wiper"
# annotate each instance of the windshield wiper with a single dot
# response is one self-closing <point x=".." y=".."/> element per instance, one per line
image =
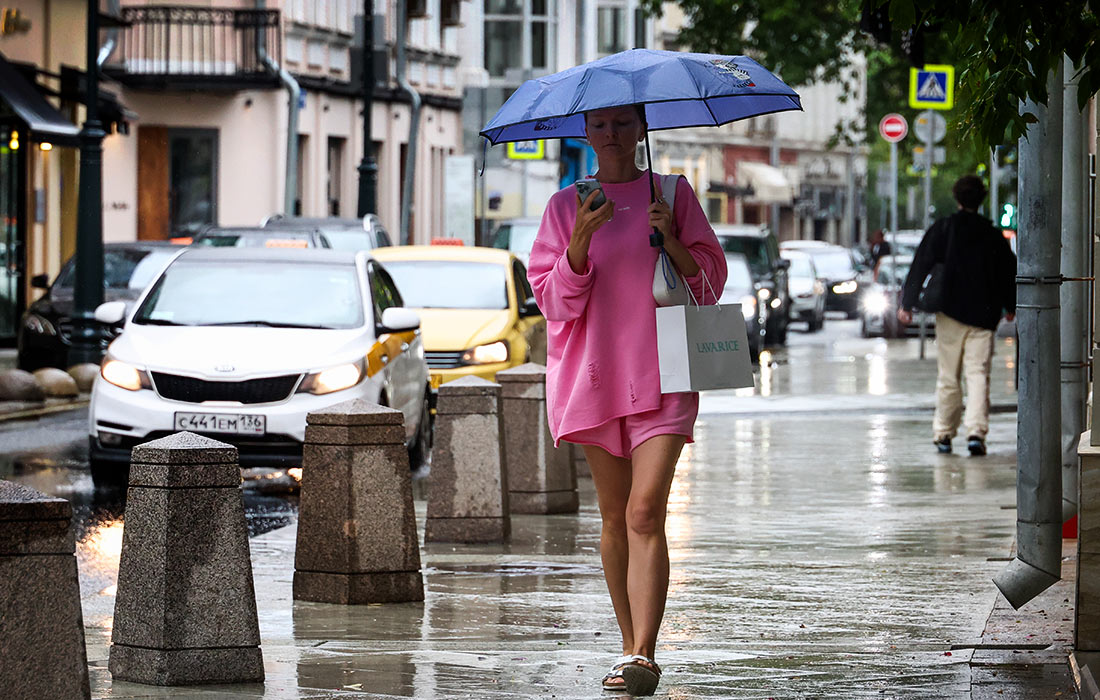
<point x="268" y="324"/>
<point x="159" y="322"/>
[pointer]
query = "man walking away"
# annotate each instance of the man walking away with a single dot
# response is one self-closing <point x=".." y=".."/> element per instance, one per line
<point x="979" y="277"/>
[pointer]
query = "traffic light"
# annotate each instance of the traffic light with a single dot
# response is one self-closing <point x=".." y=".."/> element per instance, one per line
<point x="1008" y="216"/>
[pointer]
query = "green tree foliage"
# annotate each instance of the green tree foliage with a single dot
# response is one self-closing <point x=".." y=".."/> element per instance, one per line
<point x="1005" y="50"/>
<point x="799" y="41"/>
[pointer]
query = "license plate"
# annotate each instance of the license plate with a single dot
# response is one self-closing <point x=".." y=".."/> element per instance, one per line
<point x="236" y="423"/>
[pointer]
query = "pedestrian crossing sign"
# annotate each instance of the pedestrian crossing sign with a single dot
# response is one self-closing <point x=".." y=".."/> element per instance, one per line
<point x="527" y="150"/>
<point x="932" y="87"/>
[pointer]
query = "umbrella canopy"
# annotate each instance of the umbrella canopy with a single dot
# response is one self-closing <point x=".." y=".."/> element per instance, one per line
<point x="678" y="89"/>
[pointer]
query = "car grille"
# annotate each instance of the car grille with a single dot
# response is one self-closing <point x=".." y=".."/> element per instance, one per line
<point x="444" y="359"/>
<point x="263" y="390"/>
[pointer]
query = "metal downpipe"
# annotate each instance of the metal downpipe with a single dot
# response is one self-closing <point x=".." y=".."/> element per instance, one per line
<point x="1075" y="265"/>
<point x="114" y="8"/>
<point x="294" y="92"/>
<point x="1038" y="562"/>
<point x="414" y="123"/>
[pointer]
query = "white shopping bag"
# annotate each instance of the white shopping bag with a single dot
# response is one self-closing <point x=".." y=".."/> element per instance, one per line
<point x="703" y="347"/>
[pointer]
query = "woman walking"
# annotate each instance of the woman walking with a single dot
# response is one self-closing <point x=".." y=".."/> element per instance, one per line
<point x="592" y="273"/>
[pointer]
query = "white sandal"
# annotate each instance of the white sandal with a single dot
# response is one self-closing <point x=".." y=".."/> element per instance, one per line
<point x="616" y="674"/>
<point x="642" y="674"/>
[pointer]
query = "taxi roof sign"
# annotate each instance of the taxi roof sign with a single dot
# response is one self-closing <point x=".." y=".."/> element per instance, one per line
<point x="932" y="87"/>
<point x="527" y="150"/>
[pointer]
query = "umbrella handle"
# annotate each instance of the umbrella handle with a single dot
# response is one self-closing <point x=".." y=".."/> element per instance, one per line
<point x="656" y="239"/>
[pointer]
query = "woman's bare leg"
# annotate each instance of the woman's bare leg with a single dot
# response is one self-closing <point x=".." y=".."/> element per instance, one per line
<point x="611" y="476"/>
<point x="654" y="465"/>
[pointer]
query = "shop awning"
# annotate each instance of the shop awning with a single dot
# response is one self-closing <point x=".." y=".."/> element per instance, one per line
<point x="39" y="117"/>
<point x="768" y="183"/>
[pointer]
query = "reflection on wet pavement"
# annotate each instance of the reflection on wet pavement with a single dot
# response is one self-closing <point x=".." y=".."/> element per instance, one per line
<point x="815" y="553"/>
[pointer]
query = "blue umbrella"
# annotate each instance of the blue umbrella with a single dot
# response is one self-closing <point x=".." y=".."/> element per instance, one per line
<point x="678" y="90"/>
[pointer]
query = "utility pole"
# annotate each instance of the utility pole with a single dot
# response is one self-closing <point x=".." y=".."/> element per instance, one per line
<point x="88" y="291"/>
<point x="368" y="167"/>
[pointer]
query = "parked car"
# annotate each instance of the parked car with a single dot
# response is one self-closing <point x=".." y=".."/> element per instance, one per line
<point x="881" y="301"/>
<point x="761" y="249"/>
<point x="903" y="243"/>
<point x="517" y="236"/>
<point x="741" y="288"/>
<point x="241" y="344"/>
<point x="807" y="289"/>
<point x="367" y="233"/>
<point x="45" y="331"/>
<point x="478" y="311"/>
<point x="247" y="237"/>
<point x="838" y="267"/>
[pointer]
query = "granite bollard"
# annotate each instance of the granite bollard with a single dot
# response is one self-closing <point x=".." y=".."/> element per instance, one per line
<point x="41" y="625"/>
<point x="357" y="540"/>
<point x="468" y="486"/>
<point x="541" y="478"/>
<point x="185" y="609"/>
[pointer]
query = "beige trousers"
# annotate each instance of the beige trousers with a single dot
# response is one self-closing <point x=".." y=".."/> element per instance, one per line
<point x="962" y="349"/>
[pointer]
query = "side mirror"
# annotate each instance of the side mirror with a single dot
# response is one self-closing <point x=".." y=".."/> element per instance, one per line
<point x="111" y="312"/>
<point x="40" y="281"/>
<point x="397" y="319"/>
<point x="783" y="264"/>
<point x="529" y="307"/>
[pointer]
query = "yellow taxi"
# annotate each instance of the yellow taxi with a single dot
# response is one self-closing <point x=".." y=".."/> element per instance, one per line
<point x="477" y="311"/>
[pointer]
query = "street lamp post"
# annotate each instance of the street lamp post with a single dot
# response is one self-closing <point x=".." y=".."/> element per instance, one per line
<point x="88" y="291"/>
<point x="368" y="167"/>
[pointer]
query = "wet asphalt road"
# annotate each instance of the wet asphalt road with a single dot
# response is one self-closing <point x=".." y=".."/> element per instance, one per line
<point x="819" y="547"/>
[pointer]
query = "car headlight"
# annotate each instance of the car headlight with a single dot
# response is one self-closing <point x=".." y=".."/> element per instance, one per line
<point x="846" y="287"/>
<point x="332" y="379"/>
<point x="748" y="306"/>
<point x="764" y="293"/>
<point x="776" y="303"/>
<point x="36" y="324"/>
<point x="486" y="354"/>
<point x="124" y="375"/>
<point x="876" y="303"/>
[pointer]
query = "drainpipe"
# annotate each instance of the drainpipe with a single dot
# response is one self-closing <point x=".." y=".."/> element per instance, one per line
<point x="1038" y="562"/>
<point x="1074" y="305"/>
<point x="414" y="122"/>
<point x="114" y="8"/>
<point x="293" y="94"/>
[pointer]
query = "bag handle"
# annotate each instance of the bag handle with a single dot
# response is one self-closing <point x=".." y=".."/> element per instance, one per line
<point x="706" y="286"/>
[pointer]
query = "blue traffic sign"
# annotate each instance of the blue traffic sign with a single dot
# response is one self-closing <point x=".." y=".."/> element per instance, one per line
<point x="932" y="87"/>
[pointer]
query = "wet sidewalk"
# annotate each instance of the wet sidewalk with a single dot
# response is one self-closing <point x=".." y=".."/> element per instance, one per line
<point x="825" y="553"/>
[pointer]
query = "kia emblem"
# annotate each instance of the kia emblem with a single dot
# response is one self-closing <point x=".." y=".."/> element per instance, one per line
<point x="224" y="368"/>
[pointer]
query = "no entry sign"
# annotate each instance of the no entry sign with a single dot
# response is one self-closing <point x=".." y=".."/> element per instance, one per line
<point x="893" y="127"/>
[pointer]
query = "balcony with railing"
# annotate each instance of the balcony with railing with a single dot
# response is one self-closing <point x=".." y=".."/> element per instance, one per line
<point x="197" y="48"/>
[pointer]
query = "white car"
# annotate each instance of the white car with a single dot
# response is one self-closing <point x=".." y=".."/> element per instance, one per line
<point x="241" y="343"/>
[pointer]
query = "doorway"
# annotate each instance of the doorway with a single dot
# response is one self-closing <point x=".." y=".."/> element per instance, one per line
<point x="13" y="213"/>
<point x="177" y="181"/>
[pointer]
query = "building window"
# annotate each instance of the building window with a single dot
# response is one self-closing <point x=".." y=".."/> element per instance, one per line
<point x="192" y="180"/>
<point x="639" y="28"/>
<point x="610" y="30"/>
<point x="519" y="36"/>
<point x="335" y="170"/>
<point x="503" y="47"/>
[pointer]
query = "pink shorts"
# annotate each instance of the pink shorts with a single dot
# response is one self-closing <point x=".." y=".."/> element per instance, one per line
<point x="621" y="436"/>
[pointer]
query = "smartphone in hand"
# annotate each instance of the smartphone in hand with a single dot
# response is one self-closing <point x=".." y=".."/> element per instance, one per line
<point x="586" y="187"/>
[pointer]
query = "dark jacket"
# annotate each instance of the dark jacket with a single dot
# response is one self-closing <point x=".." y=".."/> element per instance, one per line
<point x="980" y="266"/>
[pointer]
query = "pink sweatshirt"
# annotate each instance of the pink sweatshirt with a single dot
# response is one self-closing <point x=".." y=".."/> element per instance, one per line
<point x="602" y="329"/>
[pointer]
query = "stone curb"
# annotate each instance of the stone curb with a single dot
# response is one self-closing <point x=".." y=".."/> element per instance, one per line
<point x="22" y="410"/>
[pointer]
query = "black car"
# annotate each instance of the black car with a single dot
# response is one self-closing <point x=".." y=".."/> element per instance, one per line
<point x="844" y="280"/>
<point x="367" y="233"/>
<point x="741" y="288"/>
<point x="45" y="331"/>
<point x="761" y="249"/>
